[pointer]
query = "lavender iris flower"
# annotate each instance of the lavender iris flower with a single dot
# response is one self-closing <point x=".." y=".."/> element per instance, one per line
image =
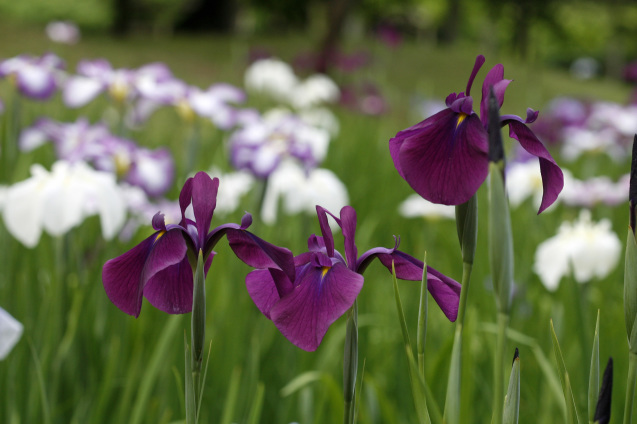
<point x="97" y="76"/>
<point x="152" y="170"/>
<point x="444" y="157"/>
<point x="160" y="268"/>
<point x="36" y="77"/>
<point x="263" y="143"/>
<point x="324" y="284"/>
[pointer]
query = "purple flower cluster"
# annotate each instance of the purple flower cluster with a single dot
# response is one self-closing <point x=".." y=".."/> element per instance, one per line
<point x="581" y="127"/>
<point x="142" y="90"/>
<point x="151" y="170"/>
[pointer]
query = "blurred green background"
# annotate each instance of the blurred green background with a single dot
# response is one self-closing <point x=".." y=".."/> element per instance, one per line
<point x="82" y="360"/>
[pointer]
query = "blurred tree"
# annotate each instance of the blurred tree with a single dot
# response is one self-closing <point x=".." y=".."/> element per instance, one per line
<point x="281" y="15"/>
<point x="209" y="16"/>
<point x="448" y="31"/>
<point x="336" y="16"/>
<point x="522" y="15"/>
<point x="122" y="17"/>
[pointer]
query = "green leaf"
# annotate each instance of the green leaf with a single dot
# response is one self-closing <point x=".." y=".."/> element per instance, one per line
<point x="231" y="400"/>
<point x="257" y="404"/>
<point x="571" y="410"/>
<point x="191" y="408"/>
<point x="417" y="390"/>
<point x="301" y="381"/>
<point x="511" y="409"/>
<point x="630" y="288"/>
<point x="593" y="376"/>
<point x="452" y="401"/>
<point x="543" y="362"/>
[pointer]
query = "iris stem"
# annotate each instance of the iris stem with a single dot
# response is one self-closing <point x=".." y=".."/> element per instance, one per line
<point x="630" y="387"/>
<point x="350" y="364"/>
<point x="464" y="292"/>
<point x="498" y="368"/>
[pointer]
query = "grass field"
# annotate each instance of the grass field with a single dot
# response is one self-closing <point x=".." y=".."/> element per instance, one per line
<point x="81" y="360"/>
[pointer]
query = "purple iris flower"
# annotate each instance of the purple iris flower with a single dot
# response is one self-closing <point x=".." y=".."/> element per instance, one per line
<point x="324" y="284"/>
<point x="444" y="158"/>
<point x="160" y="268"/>
<point x="36" y="77"/>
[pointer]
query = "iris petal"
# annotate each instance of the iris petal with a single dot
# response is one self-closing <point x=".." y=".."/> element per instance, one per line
<point x="258" y="253"/>
<point x="122" y="277"/>
<point x="263" y="290"/>
<point x="204" y="201"/>
<point x="552" y="176"/>
<point x="444" y="290"/>
<point x="170" y="290"/>
<point x="445" y="162"/>
<point x="348" y="225"/>
<point x="318" y="300"/>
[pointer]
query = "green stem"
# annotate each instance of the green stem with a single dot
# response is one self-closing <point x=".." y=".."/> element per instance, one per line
<point x="350" y="364"/>
<point x="630" y="387"/>
<point x="464" y="292"/>
<point x="498" y="368"/>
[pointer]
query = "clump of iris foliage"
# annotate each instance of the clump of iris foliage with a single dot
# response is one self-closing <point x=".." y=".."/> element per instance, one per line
<point x="81" y="359"/>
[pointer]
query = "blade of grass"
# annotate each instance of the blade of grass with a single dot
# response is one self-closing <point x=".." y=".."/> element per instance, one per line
<point x="571" y="410"/>
<point x="593" y="376"/>
<point x="231" y="399"/>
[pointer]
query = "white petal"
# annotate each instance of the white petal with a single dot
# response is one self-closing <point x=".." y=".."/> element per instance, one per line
<point x="23" y="210"/>
<point x="10" y="333"/>
<point x="79" y="90"/>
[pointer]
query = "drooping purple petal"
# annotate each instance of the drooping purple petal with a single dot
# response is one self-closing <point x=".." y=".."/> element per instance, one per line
<point x="446" y="161"/>
<point x="263" y="290"/>
<point x="552" y="176"/>
<point x="121" y="277"/>
<point x="321" y="296"/>
<point x="170" y="290"/>
<point x="444" y="290"/>
<point x="258" y="253"/>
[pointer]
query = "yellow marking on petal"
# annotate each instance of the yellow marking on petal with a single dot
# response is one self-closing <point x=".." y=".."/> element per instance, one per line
<point x="324" y="271"/>
<point x="461" y="118"/>
<point x="159" y="234"/>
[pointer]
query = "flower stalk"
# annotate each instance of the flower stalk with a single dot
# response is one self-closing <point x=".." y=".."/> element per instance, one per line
<point x="198" y="324"/>
<point x="500" y="251"/>
<point x="350" y="365"/>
